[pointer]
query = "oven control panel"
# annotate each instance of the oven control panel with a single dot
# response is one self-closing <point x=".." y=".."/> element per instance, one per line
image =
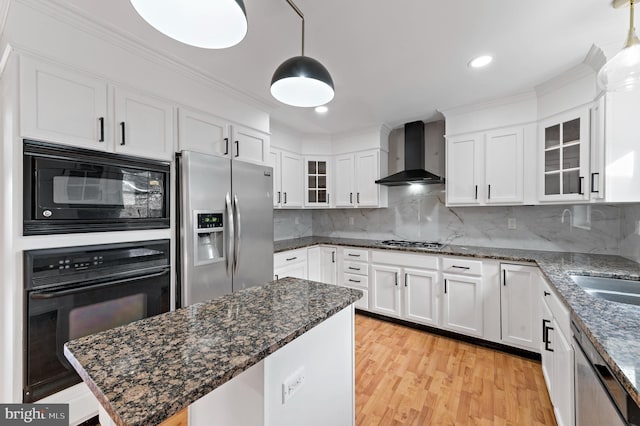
<point x="76" y="263"/>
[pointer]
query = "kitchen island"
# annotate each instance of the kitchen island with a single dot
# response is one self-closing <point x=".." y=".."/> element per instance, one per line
<point x="280" y="351"/>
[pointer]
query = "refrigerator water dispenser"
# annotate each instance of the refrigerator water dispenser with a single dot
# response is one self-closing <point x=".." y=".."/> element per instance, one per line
<point x="208" y="237"/>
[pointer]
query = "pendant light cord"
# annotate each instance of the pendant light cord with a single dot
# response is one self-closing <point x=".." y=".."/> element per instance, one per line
<point x="632" y="39"/>
<point x="299" y="12"/>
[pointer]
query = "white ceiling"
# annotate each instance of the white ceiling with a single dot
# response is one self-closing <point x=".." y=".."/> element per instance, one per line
<point x="393" y="61"/>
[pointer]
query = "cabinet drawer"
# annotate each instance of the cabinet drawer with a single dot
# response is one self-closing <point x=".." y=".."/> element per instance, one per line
<point x="358" y="281"/>
<point x="356" y="268"/>
<point x="356" y="254"/>
<point x="400" y="258"/>
<point x="288" y="257"/>
<point x="461" y="266"/>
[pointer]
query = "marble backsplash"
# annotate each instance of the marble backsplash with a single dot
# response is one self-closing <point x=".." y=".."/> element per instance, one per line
<point x="419" y="213"/>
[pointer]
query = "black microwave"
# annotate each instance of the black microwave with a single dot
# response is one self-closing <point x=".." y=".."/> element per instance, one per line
<point x="69" y="190"/>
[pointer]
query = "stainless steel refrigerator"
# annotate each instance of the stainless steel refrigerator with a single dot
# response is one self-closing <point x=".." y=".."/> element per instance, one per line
<point x="225" y="226"/>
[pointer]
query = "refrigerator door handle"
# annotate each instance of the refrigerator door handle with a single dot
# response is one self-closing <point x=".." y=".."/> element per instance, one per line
<point x="230" y="234"/>
<point x="236" y="255"/>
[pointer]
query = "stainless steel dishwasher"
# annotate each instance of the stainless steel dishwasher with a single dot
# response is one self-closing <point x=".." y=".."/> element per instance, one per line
<point x="599" y="398"/>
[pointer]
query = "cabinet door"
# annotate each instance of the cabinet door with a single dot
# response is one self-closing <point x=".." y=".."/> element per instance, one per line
<point x="317" y="181"/>
<point x="563" y="395"/>
<point x="292" y="173"/>
<point x="274" y="161"/>
<point x="463" y="170"/>
<point x="367" y="171"/>
<point x="294" y="270"/>
<point x="62" y="106"/>
<point x="250" y="145"/>
<point x="546" y="351"/>
<point x="564" y="145"/>
<point x="463" y="309"/>
<point x="328" y="265"/>
<point x="597" y="176"/>
<point x="144" y="125"/>
<point x="386" y="291"/>
<point x="344" y="182"/>
<point x="203" y="133"/>
<point x="421" y="296"/>
<point x="504" y="166"/>
<point x="519" y="306"/>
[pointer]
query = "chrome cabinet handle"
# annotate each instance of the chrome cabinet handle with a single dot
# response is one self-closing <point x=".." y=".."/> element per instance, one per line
<point x="236" y="207"/>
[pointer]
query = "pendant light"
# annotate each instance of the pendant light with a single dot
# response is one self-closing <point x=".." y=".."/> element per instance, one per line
<point x="622" y="72"/>
<point x="211" y="24"/>
<point x="302" y="81"/>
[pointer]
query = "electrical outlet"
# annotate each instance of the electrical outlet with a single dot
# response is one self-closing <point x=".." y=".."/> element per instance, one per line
<point x="292" y="384"/>
<point x="351" y="220"/>
<point x="637" y="227"/>
<point x="511" y="223"/>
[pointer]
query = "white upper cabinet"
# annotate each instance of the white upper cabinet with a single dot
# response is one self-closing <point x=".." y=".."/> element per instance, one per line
<point x="203" y="132"/>
<point x="463" y="169"/>
<point x="275" y="159"/>
<point x="59" y="105"/>
<point x="318" y="181"/>
<point x="291" y="173"/>
<point x="345" y="180"/>
<point x="564" y="156"/>
<point x="144" y="125"/>
<point x="355" y="180"/>
<point x="486" y="168"/>
<point x="367" y="172"/>
<point x="619" y="152"/>
<point x="504" y="166"/>
<point x="250" y="145"/>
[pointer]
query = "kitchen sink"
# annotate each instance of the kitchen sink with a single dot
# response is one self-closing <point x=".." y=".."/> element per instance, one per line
<point x="613" y="289"/>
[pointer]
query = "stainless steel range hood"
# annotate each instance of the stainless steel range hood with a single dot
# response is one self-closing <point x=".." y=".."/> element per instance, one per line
<point x="414" y="155"/>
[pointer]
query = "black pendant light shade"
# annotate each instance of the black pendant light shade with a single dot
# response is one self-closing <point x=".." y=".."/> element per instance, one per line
<point x="303" y="82"/>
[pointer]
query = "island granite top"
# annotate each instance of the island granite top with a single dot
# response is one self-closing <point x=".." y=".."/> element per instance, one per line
<point x="613" y="328"/>
<point x="144" y="372"/>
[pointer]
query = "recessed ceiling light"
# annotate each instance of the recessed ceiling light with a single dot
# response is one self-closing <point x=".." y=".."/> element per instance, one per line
<point x="481" y="61"/>
<point x="321" y="109"/>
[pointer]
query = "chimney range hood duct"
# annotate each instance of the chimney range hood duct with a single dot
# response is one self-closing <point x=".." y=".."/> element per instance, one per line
<point x="414" y="170"/>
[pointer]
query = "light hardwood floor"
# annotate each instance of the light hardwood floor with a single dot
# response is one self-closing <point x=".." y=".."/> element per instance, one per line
<point x="410" y="377"/>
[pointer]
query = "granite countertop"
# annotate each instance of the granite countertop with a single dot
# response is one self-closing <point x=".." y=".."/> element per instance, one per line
<point x="149" y="370"/>
<point x="613" y="328"/>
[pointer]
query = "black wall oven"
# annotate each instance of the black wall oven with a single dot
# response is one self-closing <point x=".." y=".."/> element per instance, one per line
<point x="70" y="190"/>
<point x="74" y="292"/>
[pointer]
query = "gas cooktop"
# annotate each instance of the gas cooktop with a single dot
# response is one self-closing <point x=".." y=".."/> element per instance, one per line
<point x="413" y="244"/>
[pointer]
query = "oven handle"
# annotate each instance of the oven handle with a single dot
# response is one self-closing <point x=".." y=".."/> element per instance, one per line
<point x="61" y="293"/>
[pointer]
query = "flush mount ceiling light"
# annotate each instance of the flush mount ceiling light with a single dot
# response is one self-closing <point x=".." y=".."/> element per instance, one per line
<point x="211" y="24"/>
<point x="622" y="72"/>
<point x="322" y="109"/>
<point x="480" y="61"/>
<point x="302" y="81"/>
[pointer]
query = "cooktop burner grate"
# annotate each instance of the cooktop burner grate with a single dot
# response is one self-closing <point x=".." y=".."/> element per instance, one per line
<point x="413" y="244"/>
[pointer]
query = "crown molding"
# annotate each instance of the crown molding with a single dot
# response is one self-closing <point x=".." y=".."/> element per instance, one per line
<point x="595" y="58"/>
<point x="80" y="20"/>
<point x="488" y="104"/>
<point x="579" y="71"/>
<point x="4" y="12"/>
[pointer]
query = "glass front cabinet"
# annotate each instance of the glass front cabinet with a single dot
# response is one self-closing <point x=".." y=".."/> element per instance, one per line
<point x="564" y="161"/>
<point x="318" y="181"/>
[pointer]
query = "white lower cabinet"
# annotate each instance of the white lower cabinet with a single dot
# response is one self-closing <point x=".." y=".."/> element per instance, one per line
<point x="421" y="289"/>
<point x="462" y="304"/>
<point x="520" y="314"/>
<point x="385" y="290"/>
<point x="291" y="263"/>
<point x="322" y="264"/>
<point x="557" y="356"/>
